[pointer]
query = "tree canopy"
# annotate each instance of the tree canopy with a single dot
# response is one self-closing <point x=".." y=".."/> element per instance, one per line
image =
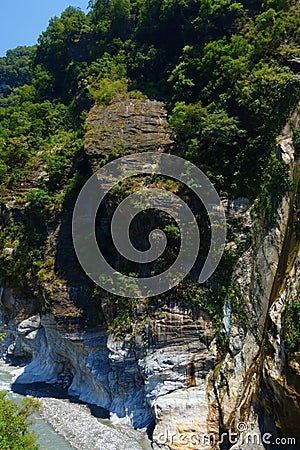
<point x="14" y="421"/>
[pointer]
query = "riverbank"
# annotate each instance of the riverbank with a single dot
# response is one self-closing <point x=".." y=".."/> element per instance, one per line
<point x="85" y="432"/>
<point x="73" y="421"/>
<point x="47" y="438"/>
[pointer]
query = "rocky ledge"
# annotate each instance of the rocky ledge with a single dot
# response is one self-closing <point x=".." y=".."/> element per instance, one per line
<point x="128" y="125"/>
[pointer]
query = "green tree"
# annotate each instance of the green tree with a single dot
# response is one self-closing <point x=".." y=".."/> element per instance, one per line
<point x="14" y="421"/>
<point x="209" y="138"/>
<point x="61" y="50"/>
<point x="15" y="69"/>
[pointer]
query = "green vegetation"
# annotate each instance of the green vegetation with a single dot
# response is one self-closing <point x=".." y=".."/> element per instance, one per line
<point x="14" y="421"/>
<point x="224" y="70"/>
<point x="15" y="69"/>
<point x="291" y="330"/>
<point x="275" y="182"/>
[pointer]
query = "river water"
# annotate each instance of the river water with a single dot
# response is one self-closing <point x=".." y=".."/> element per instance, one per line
<point x="48" y="438"/>
<point x="82" y="430"/>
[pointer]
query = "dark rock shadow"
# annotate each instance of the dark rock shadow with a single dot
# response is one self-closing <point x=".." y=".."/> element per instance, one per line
<point x="39" y="390"/>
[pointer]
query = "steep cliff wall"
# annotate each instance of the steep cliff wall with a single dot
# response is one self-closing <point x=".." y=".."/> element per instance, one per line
<point x="171" y="369"/>
<point x="251" y="385"/>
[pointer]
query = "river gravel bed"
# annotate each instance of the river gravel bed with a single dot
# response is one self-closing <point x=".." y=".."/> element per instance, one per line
<point x="73" y="422"/>
<point x="85" y="432"/>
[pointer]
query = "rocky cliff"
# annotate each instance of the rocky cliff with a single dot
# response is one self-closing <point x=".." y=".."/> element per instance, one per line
<point x="169" y="370"/>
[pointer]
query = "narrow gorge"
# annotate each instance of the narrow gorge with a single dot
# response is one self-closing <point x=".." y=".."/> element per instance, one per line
<point x="208" y="363"/>
<point x="166" y="370"/>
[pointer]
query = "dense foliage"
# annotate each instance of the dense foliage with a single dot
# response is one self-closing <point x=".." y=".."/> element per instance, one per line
<point x="291" y="331"/>
<point x="14" y="421"/>
<point x="224" y="68"/>
<point x="227" y="70"/>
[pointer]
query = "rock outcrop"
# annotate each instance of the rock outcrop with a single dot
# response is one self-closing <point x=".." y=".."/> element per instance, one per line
<point x="132" y="125"/>
<point x="114" y="373"/>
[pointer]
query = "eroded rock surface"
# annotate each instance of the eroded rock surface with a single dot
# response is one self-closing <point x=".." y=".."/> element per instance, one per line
<point x="129" y="125"/>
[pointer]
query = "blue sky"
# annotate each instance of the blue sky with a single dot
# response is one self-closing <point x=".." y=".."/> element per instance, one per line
<point x="22" y="21"/>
